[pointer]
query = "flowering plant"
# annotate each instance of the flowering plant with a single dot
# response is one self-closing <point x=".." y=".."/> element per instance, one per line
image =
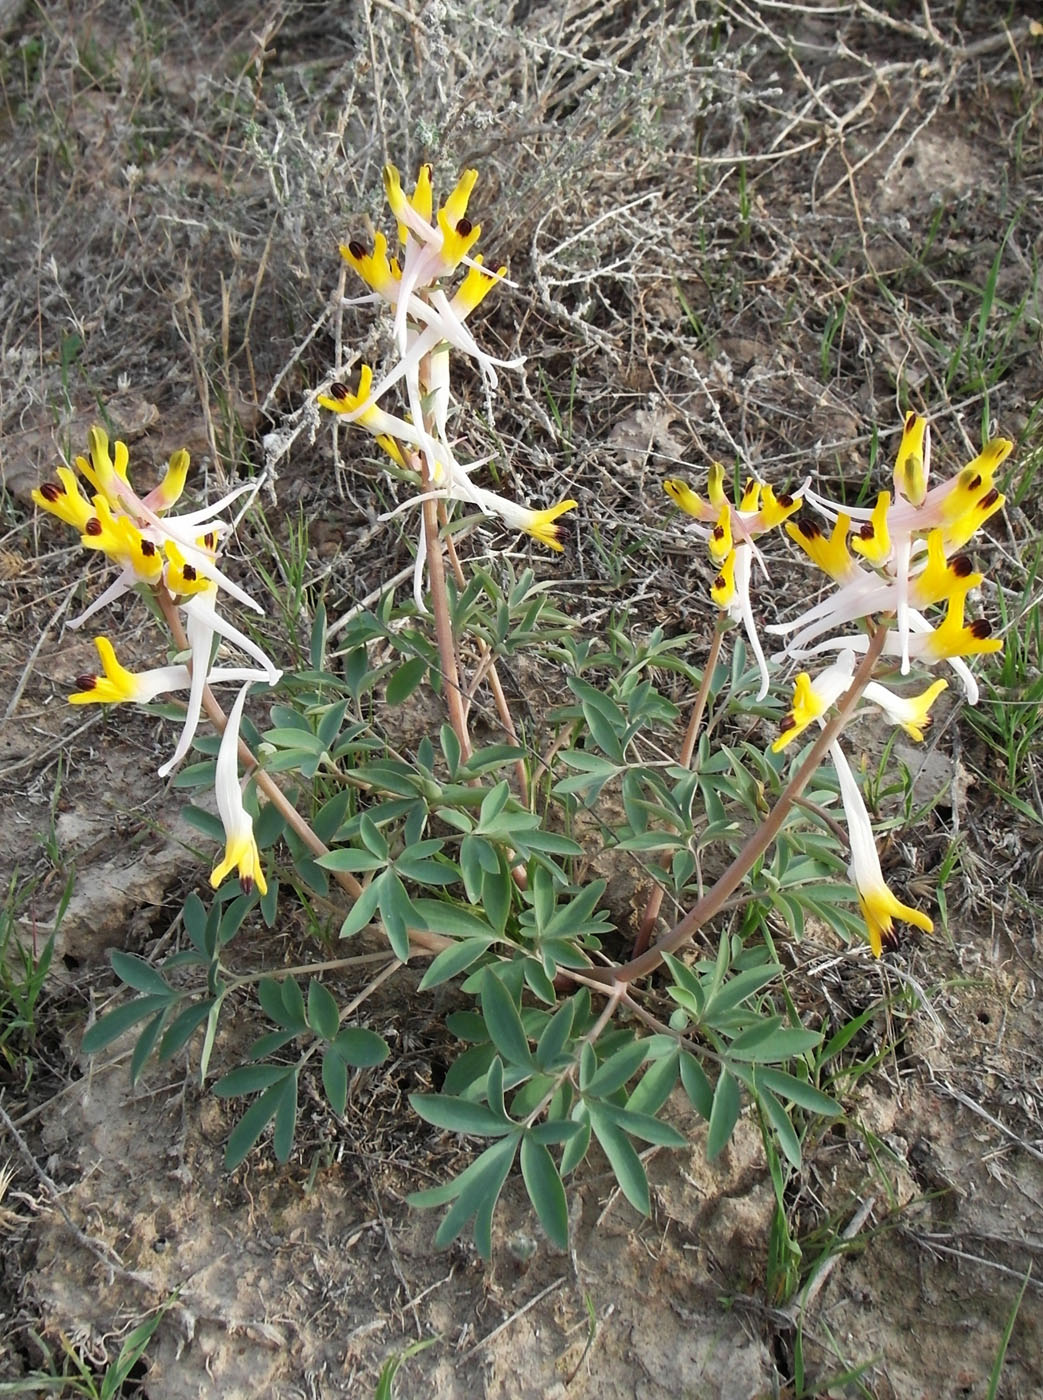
<point x="164" y="556"/>
<point x="474" y="854"/>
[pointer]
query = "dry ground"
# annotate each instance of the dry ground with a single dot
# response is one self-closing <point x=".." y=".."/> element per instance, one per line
<point x="738" y="230"/>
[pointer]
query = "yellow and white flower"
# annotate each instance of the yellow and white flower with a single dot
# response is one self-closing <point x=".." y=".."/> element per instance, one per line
<point x="913" y="548"/>
<point x="241" y="851"/>
<point x="731" y="532"/>
<point x="157" y="551"/>
<point x="880" y="908"/>
<point x="430" y="323"/>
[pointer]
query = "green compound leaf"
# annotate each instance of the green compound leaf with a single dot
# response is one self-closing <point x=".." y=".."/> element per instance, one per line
<point x="454" y="960"/>
<point x="741" y="986"/>
<point x="605" y="720"/>
<point x="398" y="914"/>
<point x="270" y="901"/>
<point x="296" y="740"/>
<point x="493" y="804"/>
<point x="294" y="1015"/>
<point x="361" y="912"/>
<point x="696" y="1085"/>
<point x="779" y="1120"/>
<point x="323" y="1012"/>
<point x="459" y="1115"/>
<point x="644" y="1126"/>
<point x="555" y="1036"/>
<point x="405" y="680"/>
<point x="723" y="1115"/>
<point x="546" y="1192"/>
<point x="195" y="917"/>
<point x="503" y="1022"/>
<point x="577" y="1146"/>
<point x="769" y="1042"/>
<point x="656" y="1085"/>
<point x="195" y="775"/>
<point x="285" y="1117"/>
<point x="330" y="724"/>
<point x="550" y="842"/>
<point x="494" y="1088"/>
<point x="478" y="1198"/>
<point x="539" y="981"/>
<point x="497" y="897"/>
<point x="622" y="1158"/>
<point x="373" y="838"/>
<point x="247" y="1079"/>
<point x="111" y="1026"/>
<point x="146" y="1043"/>
<point x="439" y="916"/>
<point x="181" y="1028"/>
<point x="232" y="918"/>
<point x="350" y="858"/>
<point x="335" y="1081"/>
<point x="360" y="1047"/>
<point x="139" y="974"/>
<point x="328" y="820"/>
<point x="616" y="1070"/>
<point x="798" y="1091"/>
<point x="556" y="1130"/>
<point x="256" y="1119"/>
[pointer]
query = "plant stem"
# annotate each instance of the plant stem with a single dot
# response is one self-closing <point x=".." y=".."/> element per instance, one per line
<point x="713" y="900"/>
<point x="443" y="623"/>
<point x="615" y="996"/>
<point x="424" y="942"/>
<point x="684" y="758"/>
<point x="491" y="674"/>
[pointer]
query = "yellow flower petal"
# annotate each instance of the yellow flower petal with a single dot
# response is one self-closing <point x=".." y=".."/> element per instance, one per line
<point x="540" y="524"/>
<point x="475" y="287"/>
<point x="376" y="269"/>
<point x="775" y="509"/>
<point x="880" y="908"/>
<point x="941" y="578"/>
<point x="912" y="463"/>
<point x="873" y="540"/>
<point x="121" y="540"/>
<point x="830" y="555"/>
<point x="685" y="498"/>
<point x="169" y="490"/>
<point x="116" y="686"/>
<point x="422" y="193"/>
<point x="750" y="499"/>
<point x="956" y="638"/>
<point x="182" y="579"/>
<point x="806" y="706"/>
<point x="241" y="854"/>
<point x="455" y="206"/>
<point x="715" y="484"/>
<point x="721" y="535"/>
<point x="65" y="500"/>
<point x="457" y="238"/>
<point x="722" y="590"/>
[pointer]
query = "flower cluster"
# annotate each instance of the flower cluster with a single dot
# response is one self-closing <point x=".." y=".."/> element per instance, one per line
<point x="429" y="322"/>
<point x="731" y="532"/>
<point x="911" y="548"/>
<point x="892" y="563"/>
<point x="174" y="557"/>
